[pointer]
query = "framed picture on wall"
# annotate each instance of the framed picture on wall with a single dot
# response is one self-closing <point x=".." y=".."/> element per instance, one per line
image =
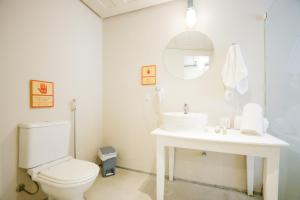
<point x="148" y="75"/>
<point x="41" y="94"/>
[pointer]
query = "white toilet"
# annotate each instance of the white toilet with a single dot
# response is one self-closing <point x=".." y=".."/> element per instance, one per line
<point x="44" y="150"/>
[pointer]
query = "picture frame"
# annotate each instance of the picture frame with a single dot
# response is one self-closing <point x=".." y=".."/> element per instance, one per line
<point x="41" y="94"/>
<point x="148" y="75"/>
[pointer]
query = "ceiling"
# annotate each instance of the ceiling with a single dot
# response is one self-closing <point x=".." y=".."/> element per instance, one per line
<point x="109" y="8"/>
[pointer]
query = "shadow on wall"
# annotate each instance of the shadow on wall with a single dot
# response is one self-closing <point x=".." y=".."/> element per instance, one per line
<point x="7" y="152"/>
<point x="1" y="179"/>
<point x="24" y="178"/>
<point x="287" y="124"/>
<point x="283" y="89"/>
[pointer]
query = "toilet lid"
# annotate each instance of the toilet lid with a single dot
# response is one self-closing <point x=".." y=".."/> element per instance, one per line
<point x="70" y="171"/>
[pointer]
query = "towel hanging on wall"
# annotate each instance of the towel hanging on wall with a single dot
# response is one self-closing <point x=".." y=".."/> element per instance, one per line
<point x="235" y="73"/>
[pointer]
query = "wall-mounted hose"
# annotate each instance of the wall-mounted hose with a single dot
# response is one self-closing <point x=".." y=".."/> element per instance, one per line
<point x="73" y="109"/>
<point x="21" y="188"/>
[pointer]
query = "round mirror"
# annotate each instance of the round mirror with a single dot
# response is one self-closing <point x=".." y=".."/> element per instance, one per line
<point x="188" y="55"/>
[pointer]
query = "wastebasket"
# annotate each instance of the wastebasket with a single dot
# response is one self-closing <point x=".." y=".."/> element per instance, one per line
<point x="108" y="156"/>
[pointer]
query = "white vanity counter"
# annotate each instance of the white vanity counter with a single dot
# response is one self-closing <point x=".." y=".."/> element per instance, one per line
<point x="233" y="142"/>
<point x="231" y="136"/>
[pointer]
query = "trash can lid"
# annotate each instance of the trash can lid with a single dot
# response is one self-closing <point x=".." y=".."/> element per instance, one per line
<point x="106" y="153"/>
<point x="107" y="150"/>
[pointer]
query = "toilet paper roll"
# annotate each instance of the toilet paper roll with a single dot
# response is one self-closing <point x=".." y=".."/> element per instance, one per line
<point x="225" y="122"/>
<point x="237" y="122"/>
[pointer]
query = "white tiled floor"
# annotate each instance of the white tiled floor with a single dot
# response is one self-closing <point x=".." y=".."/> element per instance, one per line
<point x="128" y="185"/>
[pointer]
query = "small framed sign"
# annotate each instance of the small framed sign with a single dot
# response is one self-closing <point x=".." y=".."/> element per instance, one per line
<point x="148" y="75"/>
<point x="41" y="94"/>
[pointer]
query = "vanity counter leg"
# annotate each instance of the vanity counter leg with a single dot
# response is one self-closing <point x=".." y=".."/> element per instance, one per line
<point x="160" y="170"/>
<point x="250" y="175"/>
<point x="171" y="163"/>
<point x="271" y="176"/>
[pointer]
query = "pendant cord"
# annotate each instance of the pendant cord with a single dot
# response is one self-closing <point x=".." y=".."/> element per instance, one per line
<point x="265" y="63"/>
<point x="190" y="3"/>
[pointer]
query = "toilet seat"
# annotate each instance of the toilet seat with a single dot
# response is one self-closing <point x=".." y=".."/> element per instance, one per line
<point x="68" y="173"/>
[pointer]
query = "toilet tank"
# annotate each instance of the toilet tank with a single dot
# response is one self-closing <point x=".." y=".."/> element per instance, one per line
<point x="43" y="142"/>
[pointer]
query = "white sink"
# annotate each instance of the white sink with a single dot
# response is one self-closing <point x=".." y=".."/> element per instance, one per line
<point x="178" y="121"/>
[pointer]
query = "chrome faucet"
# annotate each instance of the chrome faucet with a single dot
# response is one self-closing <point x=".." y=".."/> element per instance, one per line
<point x="186" y="109"/>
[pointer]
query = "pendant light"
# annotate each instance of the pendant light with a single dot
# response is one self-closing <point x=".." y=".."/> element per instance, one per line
<point x="191" y="17"/>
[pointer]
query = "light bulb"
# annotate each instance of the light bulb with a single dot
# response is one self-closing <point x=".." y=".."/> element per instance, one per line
<point x="191" y="17"/>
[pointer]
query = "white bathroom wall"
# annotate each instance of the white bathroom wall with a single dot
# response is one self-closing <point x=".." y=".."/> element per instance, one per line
<point x="139" y="38"/>
<point x="54" y="40"/>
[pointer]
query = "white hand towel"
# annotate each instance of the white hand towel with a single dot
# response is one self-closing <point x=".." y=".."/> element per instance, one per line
<point x="235" y="73"/>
